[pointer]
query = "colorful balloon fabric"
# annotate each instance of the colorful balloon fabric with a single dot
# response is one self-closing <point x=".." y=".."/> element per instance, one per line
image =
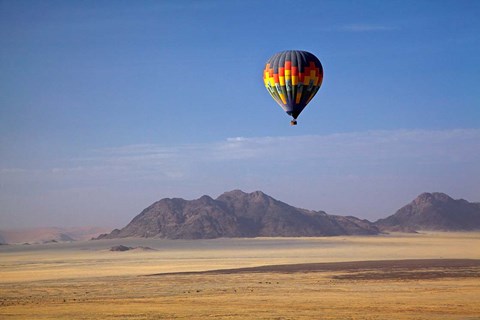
<point x="293" y="78"/>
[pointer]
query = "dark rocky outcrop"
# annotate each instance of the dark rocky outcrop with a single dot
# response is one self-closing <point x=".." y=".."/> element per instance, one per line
<point x="122" y="248"/>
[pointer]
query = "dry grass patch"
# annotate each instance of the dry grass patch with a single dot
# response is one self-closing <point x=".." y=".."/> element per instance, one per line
<point x="310" y="295"/>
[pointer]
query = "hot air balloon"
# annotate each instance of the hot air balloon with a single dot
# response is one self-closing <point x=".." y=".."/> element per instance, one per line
<point x="293" y="78"/>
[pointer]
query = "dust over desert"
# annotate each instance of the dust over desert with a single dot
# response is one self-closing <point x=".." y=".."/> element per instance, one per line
<point x="396" y="276"/>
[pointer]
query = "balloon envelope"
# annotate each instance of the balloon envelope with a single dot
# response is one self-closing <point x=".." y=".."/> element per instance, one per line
<point x="293" y="78"/>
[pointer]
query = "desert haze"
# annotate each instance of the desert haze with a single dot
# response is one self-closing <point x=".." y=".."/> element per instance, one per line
<point x="49" y="234"/>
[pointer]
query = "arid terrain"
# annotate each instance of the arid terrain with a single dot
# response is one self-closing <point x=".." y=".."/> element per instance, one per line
<point x="396" y="276"/>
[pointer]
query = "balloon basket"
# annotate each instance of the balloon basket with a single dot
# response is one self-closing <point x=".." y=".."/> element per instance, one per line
<point x="293" y="122"/>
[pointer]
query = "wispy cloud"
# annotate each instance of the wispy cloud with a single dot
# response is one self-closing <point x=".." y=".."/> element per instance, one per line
<point x="414" y="147"/>
<point x="366" y="28"/>
<point x="371" y="146"/>
<point x="352" y="153"/>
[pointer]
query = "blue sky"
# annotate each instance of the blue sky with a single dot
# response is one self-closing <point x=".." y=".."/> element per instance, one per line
<point x="108" y="106"/>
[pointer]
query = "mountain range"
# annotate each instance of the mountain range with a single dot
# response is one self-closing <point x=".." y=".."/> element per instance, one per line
<point x="240" y="214"/>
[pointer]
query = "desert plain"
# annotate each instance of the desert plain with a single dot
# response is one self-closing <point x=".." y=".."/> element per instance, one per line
<point x="395" y="276"/>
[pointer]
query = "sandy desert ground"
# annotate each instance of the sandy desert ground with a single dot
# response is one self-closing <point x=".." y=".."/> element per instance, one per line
<point x="398" y="276"/>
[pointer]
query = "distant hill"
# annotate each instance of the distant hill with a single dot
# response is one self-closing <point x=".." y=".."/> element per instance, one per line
<point x="236" y="214"/>
<point x="434" y="211"/>
<point x="49" y="234"/>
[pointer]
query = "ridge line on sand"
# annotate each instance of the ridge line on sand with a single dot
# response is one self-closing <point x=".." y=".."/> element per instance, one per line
<point x="352" y="266"/>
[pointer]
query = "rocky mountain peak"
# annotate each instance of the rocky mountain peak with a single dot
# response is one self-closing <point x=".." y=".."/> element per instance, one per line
<point x="234" y="193"/>
<point x="434" y="211"/>
<point x="431" y="198"/>
<point x="204" y="200"/>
